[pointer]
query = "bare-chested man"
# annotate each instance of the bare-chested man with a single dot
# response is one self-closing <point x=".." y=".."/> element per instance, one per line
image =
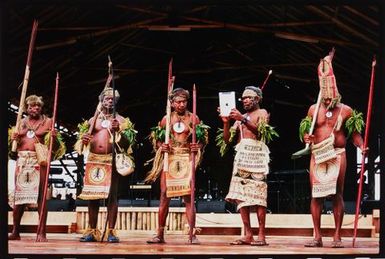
<point x="248" y="188"/>
<point x="30" y="177"/>
<point x="335" y="121"/>
<point x="101" y="177"/>
<point x="176" y="182"/>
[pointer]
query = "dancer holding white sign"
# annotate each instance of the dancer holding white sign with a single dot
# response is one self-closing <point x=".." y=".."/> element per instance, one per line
<point x="248" y="188"/>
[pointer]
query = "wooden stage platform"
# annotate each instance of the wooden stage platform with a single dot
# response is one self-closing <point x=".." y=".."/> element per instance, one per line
<point x="286" y="234"/>
<point x="68" y="244"/>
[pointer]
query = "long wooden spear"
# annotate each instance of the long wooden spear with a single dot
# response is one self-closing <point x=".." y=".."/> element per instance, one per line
<point x="267" y="78"/>
<point x="99" y="106"/>
<point x="25" y="81"/>
<point x="43" y="207"/>
<point x="306" y="150"/>
<point x="170" y="86"/>
<point x="192" y="183"/>
<point x="366" y="139"/>
<point x="111" y="77"/>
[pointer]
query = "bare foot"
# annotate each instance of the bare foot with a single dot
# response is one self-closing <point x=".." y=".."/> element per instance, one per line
<point x="41" y="238"/>
<point x="194" y="241"/>
<point x="156" y="240"/>
<point x="14" y="236"/>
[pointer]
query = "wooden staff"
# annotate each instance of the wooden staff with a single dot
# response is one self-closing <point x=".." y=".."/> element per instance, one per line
<point x="366" y="139"/>
<point x="192" y="184"/>
<point x="43" y="208"/>
<point x="25" y="81"/>
<point x="306" y="150"/>
<point x="267" y="78"/>
<point x="99" y="106"/>
<point x="111" y="78"/>
<point x="170" y="86"/>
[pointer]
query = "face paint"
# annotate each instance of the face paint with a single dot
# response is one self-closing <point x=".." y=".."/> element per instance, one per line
<point x="179" y="103"/>
<point x="249" y="93"/>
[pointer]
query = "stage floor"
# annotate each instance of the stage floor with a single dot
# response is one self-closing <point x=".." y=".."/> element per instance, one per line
<point x="135" y="244"/>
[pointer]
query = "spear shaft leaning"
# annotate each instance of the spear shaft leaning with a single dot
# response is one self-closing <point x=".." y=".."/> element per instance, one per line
<point x="43" y="207"/>
<point x="25" y="81"/>
<point x="192" y="184"/>
<point x="170" y="86"/>
<point x="267" y="78"/>
<point x="111" y="80"/>
<point x="366" y="139"/>
<point x="306" y="150"/>
<point x="98" y="107"/>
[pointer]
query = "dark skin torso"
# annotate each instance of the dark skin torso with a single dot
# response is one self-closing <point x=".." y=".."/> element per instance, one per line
<point x="324" y="126"/>
<point x="100" y="144"/>
<point x="100" y="141"/>
<point x="249" y="131"/>
<point x="184" y="136"/>
<point x="41" y="126"/>
<point x="180" y="113"/>
<point x="322" y="130"/>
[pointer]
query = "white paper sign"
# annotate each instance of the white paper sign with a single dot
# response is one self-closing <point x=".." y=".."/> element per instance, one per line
<point x="226" y="102"/>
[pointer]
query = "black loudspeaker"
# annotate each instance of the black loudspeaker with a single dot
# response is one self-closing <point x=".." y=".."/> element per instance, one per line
<point x="289" y="191"/>
<point x="124" y="203"/>
<point x="211" y="206"/>
<point x="350" y="207"/>
<point x="139" y="203"/>
<point x="58" y="205"/>
<point x="81" y="203"/>
<point x="178" y="202"/>
<point x="368" y="206"/>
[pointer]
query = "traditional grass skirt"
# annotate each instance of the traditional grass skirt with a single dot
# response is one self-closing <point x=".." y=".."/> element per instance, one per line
<point x="248" y="184"/>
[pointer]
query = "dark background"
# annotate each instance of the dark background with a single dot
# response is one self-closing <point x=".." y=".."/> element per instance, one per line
<point x="219" y="46"/>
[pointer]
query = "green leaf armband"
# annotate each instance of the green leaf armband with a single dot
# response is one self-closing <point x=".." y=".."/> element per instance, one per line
<point x="202" y="133"/>
<point x="354" y="123"/>
<point x="304" y="127"/>
<point x="158" y="133"/>
<point x="128" y="131"/>
<point x="220" y="142"/>
<point x="266" y="132"/>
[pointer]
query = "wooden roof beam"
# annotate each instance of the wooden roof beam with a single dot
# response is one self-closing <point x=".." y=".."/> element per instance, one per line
<point x="278" y="34"/>
<point x="239" y="52"/>
<point x="73" y="40"/>
<point x="363" y="16"/>
<point x="246" y="45"/>
<point x="142" y="10"/>
<point x="148" y="48"/>
<point x="291" y="24"/>
<point x="342" y="25"/>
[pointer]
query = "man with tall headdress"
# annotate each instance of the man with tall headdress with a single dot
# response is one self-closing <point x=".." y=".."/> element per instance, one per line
<point x="334" y="123"/>
<point x="176" y="182"/>
<point x="248" y="188"/>
<point x="101" y="176"/>
<point x="31" y="167"/>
